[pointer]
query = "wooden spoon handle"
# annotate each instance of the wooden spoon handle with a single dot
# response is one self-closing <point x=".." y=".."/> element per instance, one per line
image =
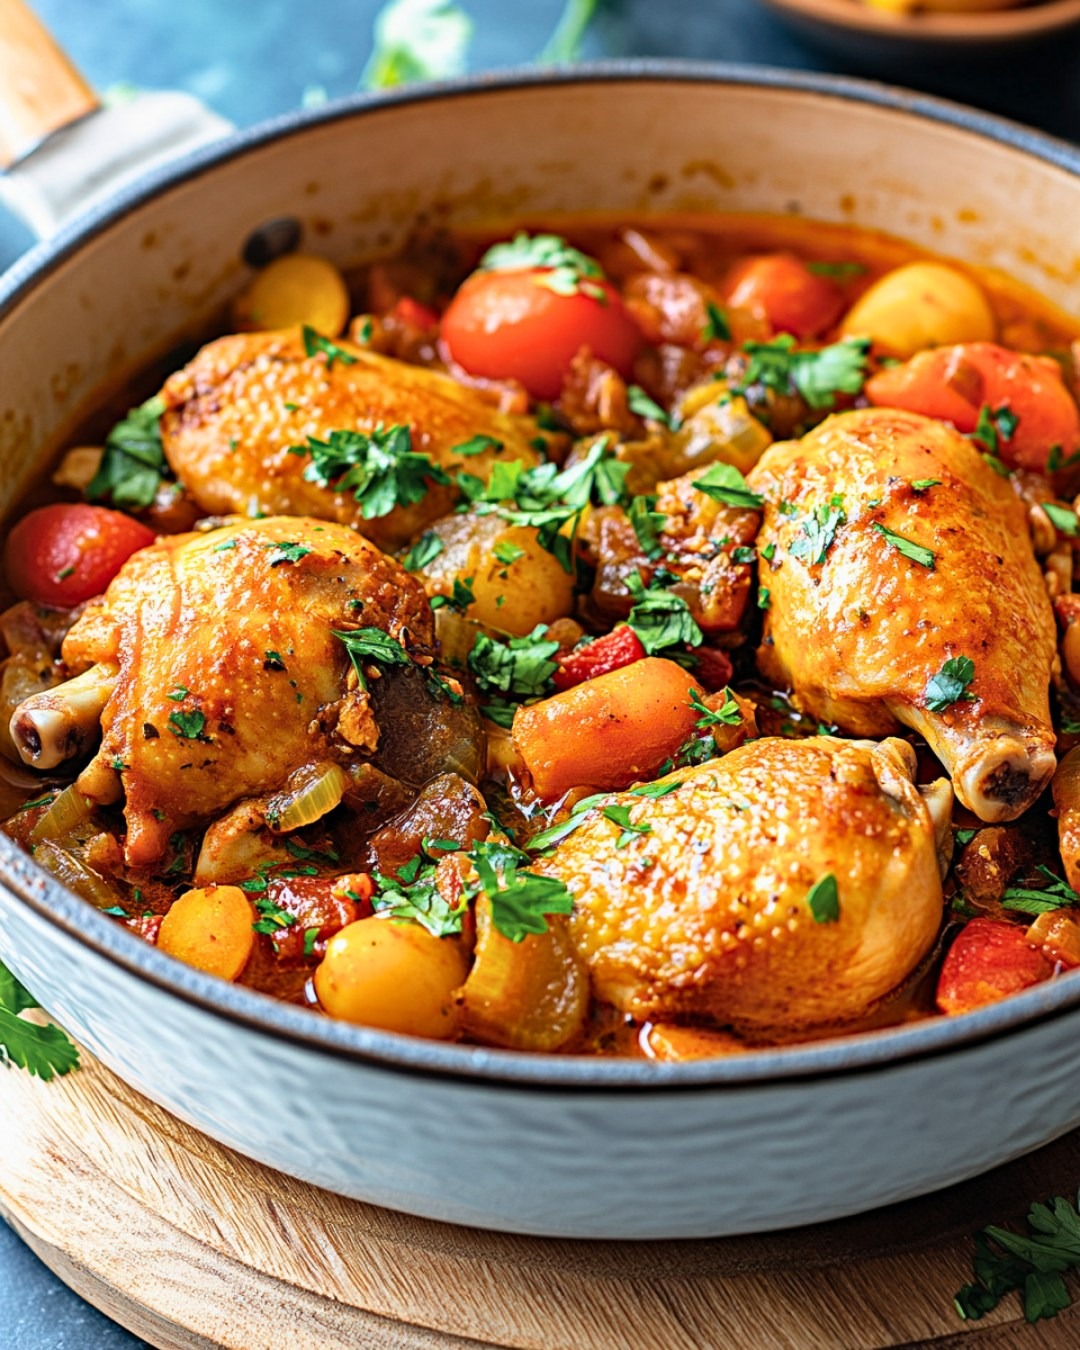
<point x="40" y="90"/>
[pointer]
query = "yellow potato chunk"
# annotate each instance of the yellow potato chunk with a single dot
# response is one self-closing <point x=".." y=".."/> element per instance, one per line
<point x="517" y="595"/>
<point x="921" y="305"/>
<point x="393" y="975"/>
<point x="296" y="289"/>
<point x="210" y="929"/>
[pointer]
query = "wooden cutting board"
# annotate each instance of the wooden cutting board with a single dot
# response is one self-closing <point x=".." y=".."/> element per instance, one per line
<point x="190" y="1245"/>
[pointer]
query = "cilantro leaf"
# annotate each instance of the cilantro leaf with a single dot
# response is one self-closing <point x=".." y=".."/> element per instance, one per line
<point x="14" y="996"/>
<point x="519" y="900"/>
<point x="660" y="618"/>
<point x="45" y="1051"/>
<point x="521" y="666"/>
<point x="727" y="714"/>
<point x="993" y="428"/>
<point x="371" y="644"/>
<point x="1028" y="900"/>
<point x="717" y="328"/>
<point x="620" y="816"/>
<point x="823" y="899"/>
<point x="460" y="598"/>
<point x="382" y="470"/>
<point x="564" y="269"/>
<point x="418" y="899"/>
<point x="133" y="463"/>
<point x="188" y="726"/>
<point x="287" y="551"/>
<point x="916" y="552"/>
<point x="837" y="271"/>
<point x="507" y="553"/>
<point x="950" y="684"/>
<point x="724" y="483"/>
<point x="476" y="445"/>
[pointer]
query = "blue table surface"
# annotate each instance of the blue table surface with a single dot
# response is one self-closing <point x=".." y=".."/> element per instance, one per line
<point x="252" y="61"/>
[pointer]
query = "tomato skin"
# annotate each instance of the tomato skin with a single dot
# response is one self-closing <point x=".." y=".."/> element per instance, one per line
<point x="509" y="325"/>
<point x="953" y="383"/>
<point x="64" y="554"/>
<point x="781" y="289"/>
<point x="988" y="961"/>
<point x="621" y="647"/>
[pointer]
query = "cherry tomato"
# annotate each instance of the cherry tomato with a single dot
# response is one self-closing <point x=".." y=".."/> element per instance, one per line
<point x="621" y="647"/>
<point x="510" y="325"/>
<point x="64" y="554"/>
<point x="781" y="289"/>
<point x="955" y="383"/>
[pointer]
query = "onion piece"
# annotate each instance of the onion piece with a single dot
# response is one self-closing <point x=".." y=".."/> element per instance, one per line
<point x="64" y="816"/>
<point x="66" y="867"/>
<point x="528" y="995"/>
<point x="313" y="792"/>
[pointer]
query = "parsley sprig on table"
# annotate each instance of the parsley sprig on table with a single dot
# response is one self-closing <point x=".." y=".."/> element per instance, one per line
<point x="42" y="1050"/>
<point x="381" y="470"/>
<point x="1032" y="1263"/>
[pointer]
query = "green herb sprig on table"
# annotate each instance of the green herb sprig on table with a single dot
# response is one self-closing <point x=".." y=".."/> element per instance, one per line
<point x="1031" y="1263"/>
<point x="45" y="1051"/>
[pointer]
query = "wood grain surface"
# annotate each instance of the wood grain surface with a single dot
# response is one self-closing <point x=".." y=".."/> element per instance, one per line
<point x="192" y="1246"/>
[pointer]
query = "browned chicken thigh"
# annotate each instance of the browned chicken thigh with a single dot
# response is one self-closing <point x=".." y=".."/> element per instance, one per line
<point x="221" y="675"/>
<point x="706" y="906"/>
<point x="901" y="587"/>
<point x="235" y="413"/>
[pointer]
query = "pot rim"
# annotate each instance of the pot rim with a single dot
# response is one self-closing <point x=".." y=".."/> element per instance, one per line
<point x="868" y="1052"/>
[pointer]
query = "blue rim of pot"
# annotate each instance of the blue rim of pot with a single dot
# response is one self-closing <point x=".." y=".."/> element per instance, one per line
<point x="868" y="1052"/>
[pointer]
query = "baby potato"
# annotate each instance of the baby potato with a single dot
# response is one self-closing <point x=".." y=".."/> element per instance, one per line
<point x="210" y="929"/>
<point x="393" y="975"/>
<point x="920" y="305"/>
<point x="516" y="595"/>
<point x="296" y="289"/>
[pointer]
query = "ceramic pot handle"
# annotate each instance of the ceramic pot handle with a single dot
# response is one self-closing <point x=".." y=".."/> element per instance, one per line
<point x="40" y="90"/>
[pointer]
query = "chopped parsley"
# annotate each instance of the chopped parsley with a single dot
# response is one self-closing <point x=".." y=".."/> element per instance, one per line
<point x="477" y="445"/>
<point x="314" y="343"/>
<point x="950" y="684"/>
<point x="728" y="714"/>
<point x="817" y="375"/>
<point x="43" y="1051"/>
<point x="564" y="269"/>
<point x="660" y="618"/>
<point x="916" y="552"/>
<point x="371" y="644"/>
<point x="520" y="900"/>
<point x="620" y="816"/>
<point x="1026" y="900"/>
<point x="837" y="271"/>
<point x="272" y="918"/>
<point x="1056" y="459"/>
<point x="426" y="549"/>
<point x="381" y="470"/>
<point x="133" y="463"/>
<point x="311" y="936"/>
<point x="178" y="694"/>
<point x="459" y="599"/>
<point x="818" y="532"/>
<point x="507" y="553"/>
<point x="764" y="598"/>
<point x="644" y="406"/>
<point x="521" y="667"/>
<point x="287" y="551"/>
<point x="995" y="427"/>
<point x="724" y="483"/>
<point x="188" y="726"/>
<point x="1063" y="519"/>
<point x="922" y="484"/>
<point x="823" y="898"/>
<point x="647" y="524"/>
<point x="717" y="328"/>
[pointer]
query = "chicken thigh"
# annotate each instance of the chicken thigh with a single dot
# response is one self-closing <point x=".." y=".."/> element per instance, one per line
<point x="225" y="676"/>
<point x="902" y="588"/>
<point x="238" y="417"/>
<point x="706" y="907"/>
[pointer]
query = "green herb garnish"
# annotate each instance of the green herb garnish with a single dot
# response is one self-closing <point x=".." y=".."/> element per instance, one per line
<point x="823" y="898"/>
<point x="916" y="552"/>
<point x="43" y="1051"/>
<point x="950" y="684"/>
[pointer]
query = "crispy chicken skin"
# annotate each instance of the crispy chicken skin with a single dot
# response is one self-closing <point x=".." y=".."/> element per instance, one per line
<point x="227" y="429"/>
<point x="858" y="634"/>
<point x="707" y="915"/>
<point x="229" y="676"/>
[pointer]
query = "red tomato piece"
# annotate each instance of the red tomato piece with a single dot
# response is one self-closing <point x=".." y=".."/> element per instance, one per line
<point x="510" y="325"/>
<point x="414" y="314"/>
<point x="64" y="554"/>
<point x="954" y="383"/>
<point x="989" y="961"/>
<point x="781" y="289"/>
<point x="323" y="905"/>
<point x="621" y="647"/>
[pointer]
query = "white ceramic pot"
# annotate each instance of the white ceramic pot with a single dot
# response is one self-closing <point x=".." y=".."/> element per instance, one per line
<point x="565" y="1146"/>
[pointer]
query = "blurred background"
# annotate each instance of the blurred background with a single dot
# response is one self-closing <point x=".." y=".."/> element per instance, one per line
<point x="254" y="61"/>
